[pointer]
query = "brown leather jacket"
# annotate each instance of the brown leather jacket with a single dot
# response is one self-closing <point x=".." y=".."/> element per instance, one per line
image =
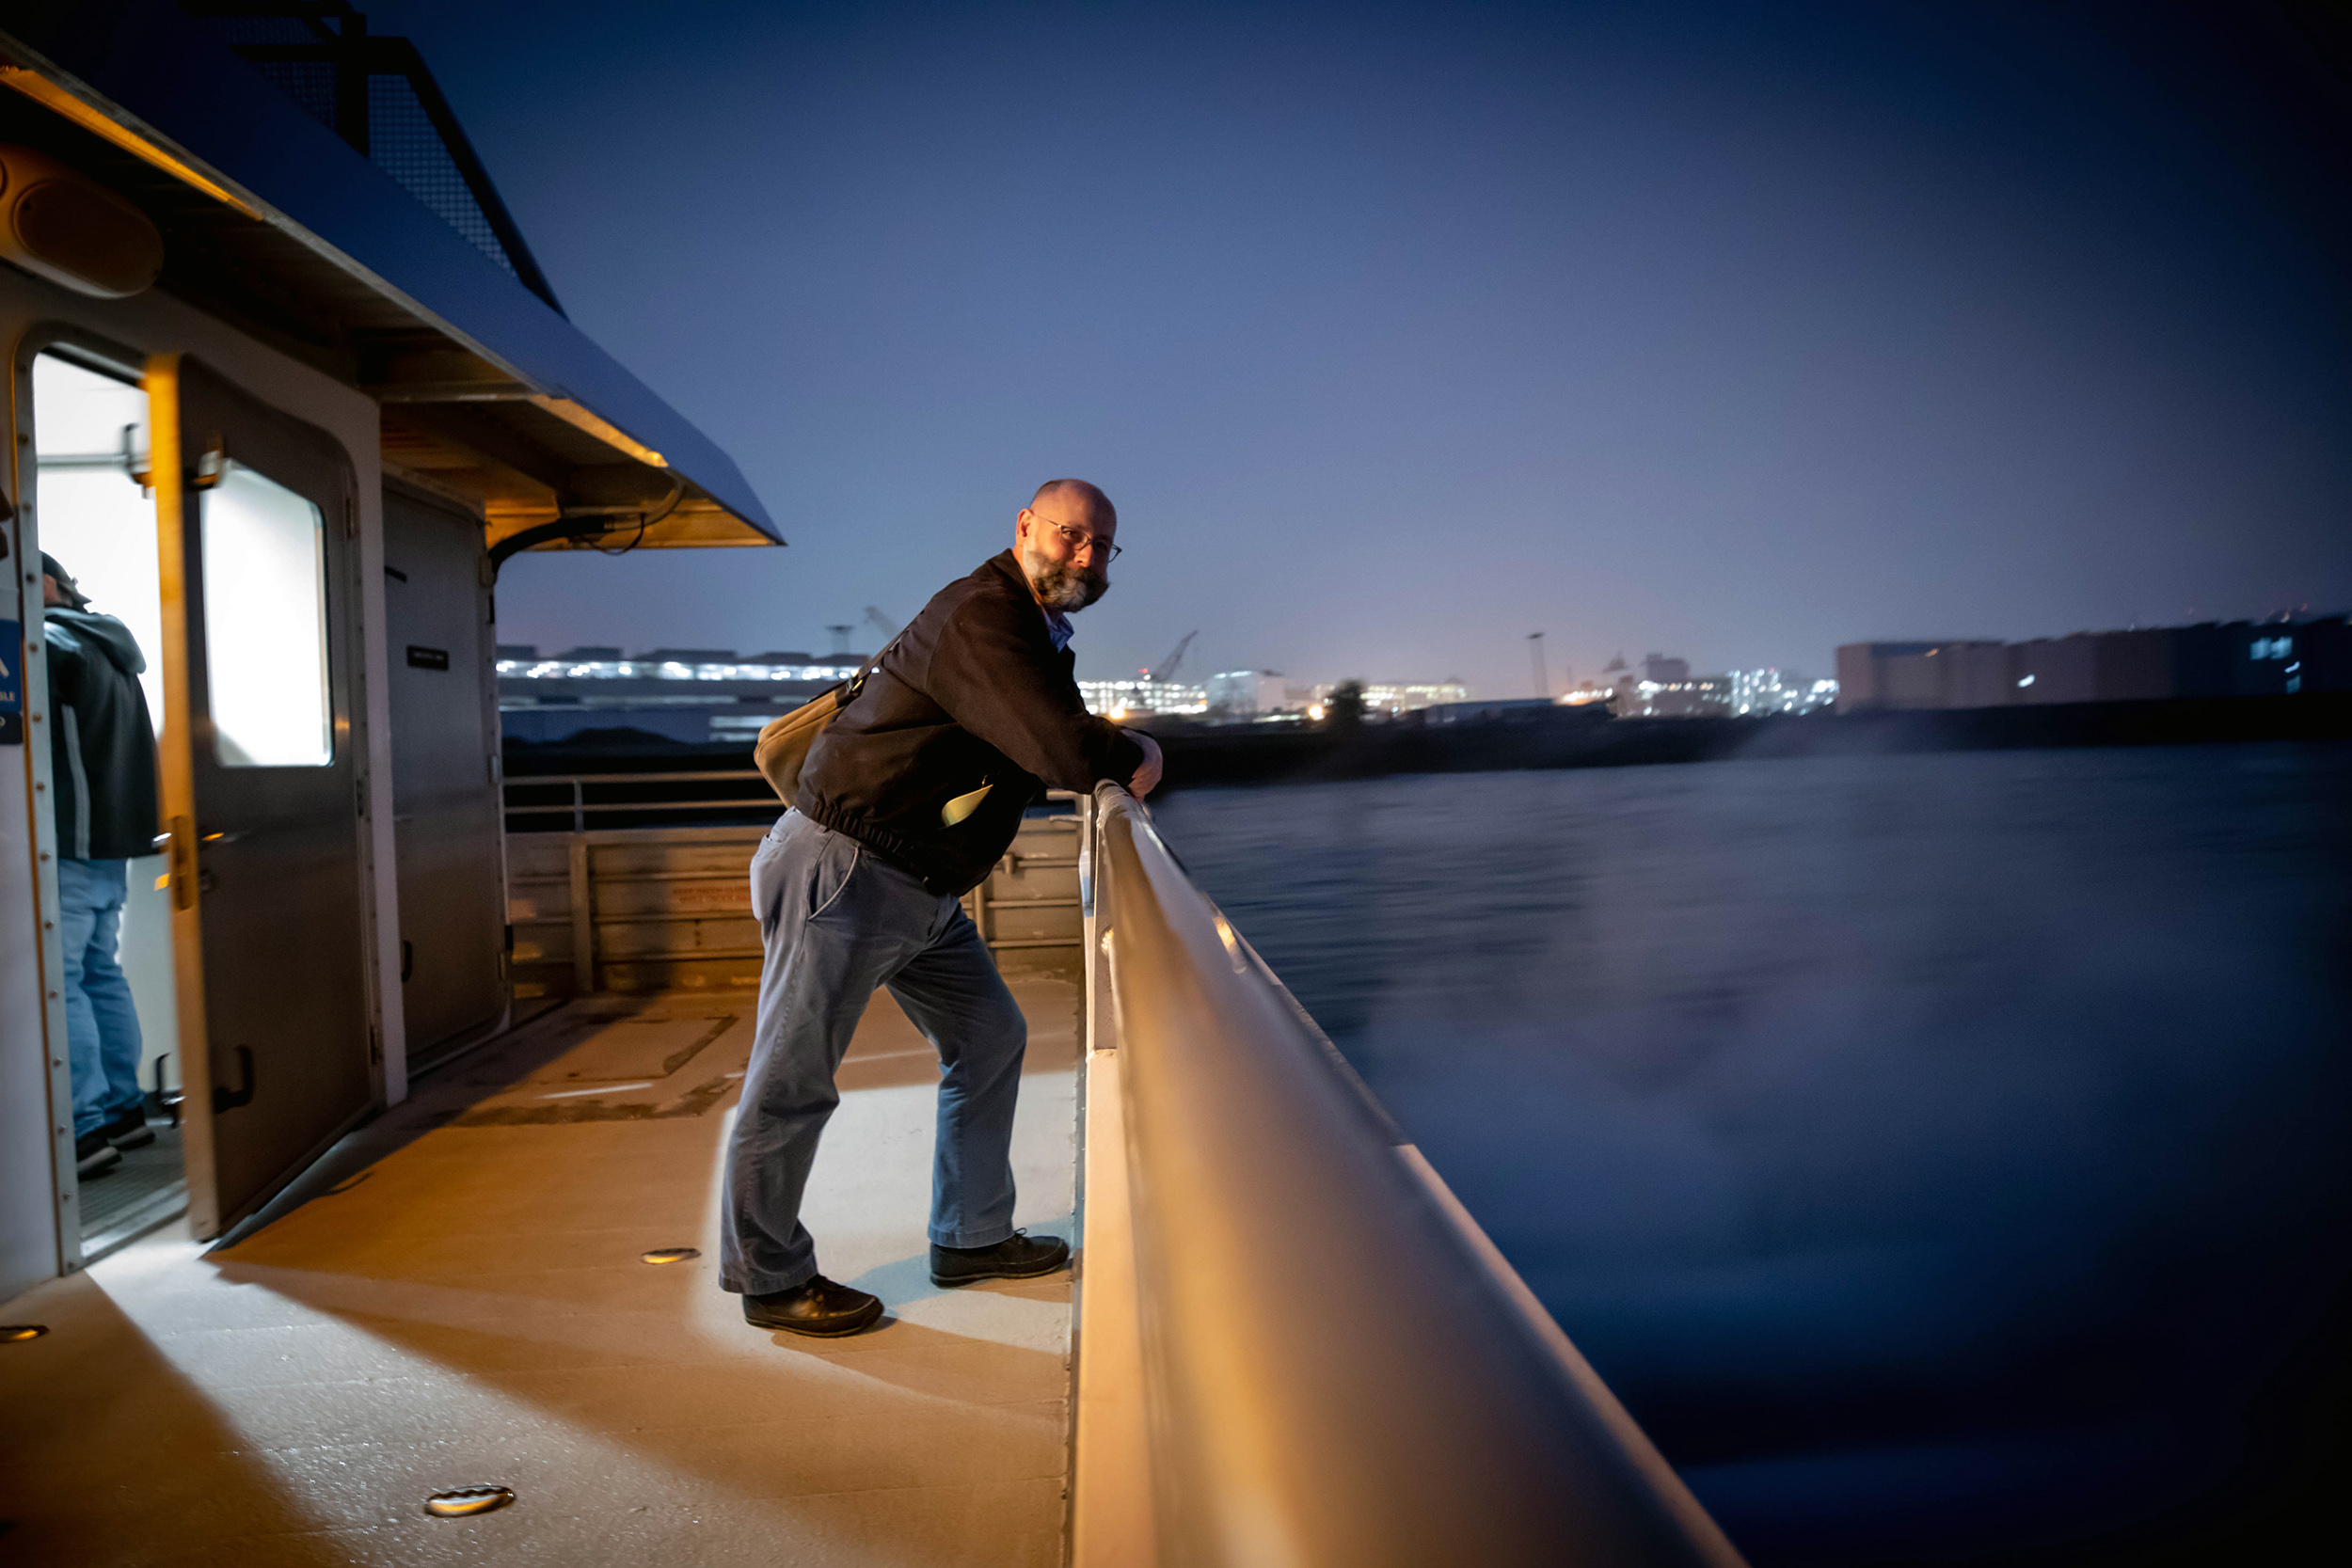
<point x="971" y="696"/>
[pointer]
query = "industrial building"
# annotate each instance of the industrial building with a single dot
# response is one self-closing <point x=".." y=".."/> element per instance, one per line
<point x="683" y="694"/>
<point x="1141" y="696"/>
<point x="2234" y="658"/>
<point x="1246" y="694"/>
<point x="1759" y="693"/>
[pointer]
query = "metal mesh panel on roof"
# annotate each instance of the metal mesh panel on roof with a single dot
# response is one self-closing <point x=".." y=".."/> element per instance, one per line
<point x="403" y="142"/>
<point x="265" y="29"/>
<point x="309" y="83"/>
<point x="302" y="49"/>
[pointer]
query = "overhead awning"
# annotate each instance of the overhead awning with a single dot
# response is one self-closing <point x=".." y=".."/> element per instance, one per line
<point x="276" y="223"/>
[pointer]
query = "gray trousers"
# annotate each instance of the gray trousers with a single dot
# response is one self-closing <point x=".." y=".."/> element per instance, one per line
<point x="838" y="921"/>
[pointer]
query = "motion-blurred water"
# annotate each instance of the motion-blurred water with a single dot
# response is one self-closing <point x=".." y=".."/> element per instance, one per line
<point x="1939" y="1154"/>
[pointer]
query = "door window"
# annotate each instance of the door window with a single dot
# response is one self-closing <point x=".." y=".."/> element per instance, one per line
<point x="90" y="453"/>
<point x="265" y="624"/>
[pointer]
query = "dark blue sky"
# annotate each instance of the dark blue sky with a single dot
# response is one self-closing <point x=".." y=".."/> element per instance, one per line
<point x="1399" y="332"/>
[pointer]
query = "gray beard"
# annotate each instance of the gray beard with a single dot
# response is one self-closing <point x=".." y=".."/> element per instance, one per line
<point x="1064" y="587"/>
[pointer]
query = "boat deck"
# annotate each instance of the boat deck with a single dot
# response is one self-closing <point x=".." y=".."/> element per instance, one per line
<point x="455" y="1297"/>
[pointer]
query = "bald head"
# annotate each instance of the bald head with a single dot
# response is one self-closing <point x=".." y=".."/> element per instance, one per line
<point x="1079" y="494"/>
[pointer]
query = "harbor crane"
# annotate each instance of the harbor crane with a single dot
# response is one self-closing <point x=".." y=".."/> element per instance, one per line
<point x="1166" y="669"/>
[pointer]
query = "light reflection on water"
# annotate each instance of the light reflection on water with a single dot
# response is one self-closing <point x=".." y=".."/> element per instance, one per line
<point x="1937" y="1153"/>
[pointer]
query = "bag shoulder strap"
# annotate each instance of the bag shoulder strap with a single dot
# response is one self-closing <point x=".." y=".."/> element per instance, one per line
<point x="857" y="683"/>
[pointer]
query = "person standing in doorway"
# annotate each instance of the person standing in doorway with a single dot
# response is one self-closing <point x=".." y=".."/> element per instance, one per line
<point x="104" y="797"/>
<point x="906" y="802"/>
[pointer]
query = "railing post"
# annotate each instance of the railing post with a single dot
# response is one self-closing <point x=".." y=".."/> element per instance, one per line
<point x="583" y="920"/>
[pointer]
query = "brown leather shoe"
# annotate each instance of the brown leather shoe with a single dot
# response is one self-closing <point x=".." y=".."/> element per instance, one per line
<point x="819" y="1308"/>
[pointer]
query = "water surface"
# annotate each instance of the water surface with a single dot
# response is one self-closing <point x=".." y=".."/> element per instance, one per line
<point x="1940" y="1154"/>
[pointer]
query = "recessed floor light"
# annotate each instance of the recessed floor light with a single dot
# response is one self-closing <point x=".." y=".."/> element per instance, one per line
<point x="467" y="1501"/>
<point x="670" y="1254"/>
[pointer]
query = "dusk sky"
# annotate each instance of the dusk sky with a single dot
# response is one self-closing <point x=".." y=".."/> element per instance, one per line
<point x="1729" y="331"/>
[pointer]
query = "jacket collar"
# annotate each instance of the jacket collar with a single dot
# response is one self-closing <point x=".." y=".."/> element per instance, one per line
<point x="1007" y="565"/>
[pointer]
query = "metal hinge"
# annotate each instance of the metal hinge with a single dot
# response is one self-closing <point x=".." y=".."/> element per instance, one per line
<point x="376" y="1045"/>
<point x="359" y="795"/>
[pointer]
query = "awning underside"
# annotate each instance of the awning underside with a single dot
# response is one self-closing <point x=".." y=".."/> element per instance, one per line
<point x="488" y="395"/>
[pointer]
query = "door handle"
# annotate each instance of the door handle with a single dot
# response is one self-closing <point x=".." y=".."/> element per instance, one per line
<point x="224" y="1099"/>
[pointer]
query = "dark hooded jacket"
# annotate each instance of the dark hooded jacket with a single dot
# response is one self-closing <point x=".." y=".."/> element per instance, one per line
<point x="102" y="747"/>
<point x="972" y="696"/>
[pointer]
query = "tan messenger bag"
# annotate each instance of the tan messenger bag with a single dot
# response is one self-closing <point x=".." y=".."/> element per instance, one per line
<point x="783" y="742"/>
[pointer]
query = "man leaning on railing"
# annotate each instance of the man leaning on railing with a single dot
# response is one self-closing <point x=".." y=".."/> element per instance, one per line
<point x="906" y="800"/>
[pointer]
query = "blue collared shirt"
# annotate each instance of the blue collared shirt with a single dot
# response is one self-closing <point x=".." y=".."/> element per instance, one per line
<point x="1058" y="628"/>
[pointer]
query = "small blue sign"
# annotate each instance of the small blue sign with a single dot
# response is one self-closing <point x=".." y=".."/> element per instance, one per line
<point x="11" y="683"/>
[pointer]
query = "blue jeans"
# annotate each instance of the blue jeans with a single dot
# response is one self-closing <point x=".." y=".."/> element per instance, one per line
<point x="838" y="921"/>
<point x="101" y="1027"/>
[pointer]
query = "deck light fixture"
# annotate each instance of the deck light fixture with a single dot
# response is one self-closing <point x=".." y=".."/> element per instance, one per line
<point x="467" y="1501"/>
<point x="602" y="429"/>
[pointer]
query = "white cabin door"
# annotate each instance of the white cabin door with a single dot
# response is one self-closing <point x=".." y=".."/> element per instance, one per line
<point x="263" y="774"/>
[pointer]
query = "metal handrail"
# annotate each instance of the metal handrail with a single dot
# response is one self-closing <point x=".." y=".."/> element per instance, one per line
<point x="578" y="807"/>
<point x="1339" y="1367"/>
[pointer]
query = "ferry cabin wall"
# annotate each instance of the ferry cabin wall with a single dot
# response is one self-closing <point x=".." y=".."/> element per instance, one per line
<point x="37" y="1236"/>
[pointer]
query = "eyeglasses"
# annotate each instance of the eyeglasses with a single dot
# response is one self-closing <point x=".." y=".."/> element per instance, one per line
<point x="1079" y="539"/>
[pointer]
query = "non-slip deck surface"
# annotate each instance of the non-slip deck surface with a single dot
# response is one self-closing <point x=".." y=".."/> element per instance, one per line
<point x="455" y="1298"/>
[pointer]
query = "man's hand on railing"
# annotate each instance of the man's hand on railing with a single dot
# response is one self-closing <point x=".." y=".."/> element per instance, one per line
<point x="1146" y="776"/>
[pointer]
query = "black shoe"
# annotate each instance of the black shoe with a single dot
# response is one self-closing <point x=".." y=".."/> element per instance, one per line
<point x="819" y="1307"/>
<point x="130" y="1128"/>
<point x="1019" y="1255"/>
<point x="93" y="1156"/>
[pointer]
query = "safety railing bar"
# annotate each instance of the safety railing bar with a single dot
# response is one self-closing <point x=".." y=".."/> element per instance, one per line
<point x="594" y="807"/>
<point x="649" y="877"/>
<point x="526" y="781"/>
<point x="678" y="956"/>
<point x="650" y="917"/>
<point x="728" y="804"/>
